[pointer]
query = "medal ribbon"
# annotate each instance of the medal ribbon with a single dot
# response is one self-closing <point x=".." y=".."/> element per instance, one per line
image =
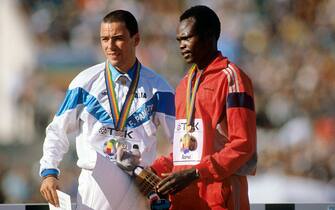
<point x="120" y="118"/>
<point x="190" y="94"/>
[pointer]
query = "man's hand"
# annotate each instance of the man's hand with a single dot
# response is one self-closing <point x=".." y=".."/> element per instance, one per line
<point x="127" y="160"/>
<point x="48" y="190"/>
<point x="177" y="181"/>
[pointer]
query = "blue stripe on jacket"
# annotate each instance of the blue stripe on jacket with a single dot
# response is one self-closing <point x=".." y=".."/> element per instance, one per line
<point x="240" y="99"/>
<point x="161" y="102"/>
<point x="78" y="96"/>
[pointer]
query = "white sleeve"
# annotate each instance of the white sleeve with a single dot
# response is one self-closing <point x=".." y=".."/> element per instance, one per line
<point x="56" y="142"/>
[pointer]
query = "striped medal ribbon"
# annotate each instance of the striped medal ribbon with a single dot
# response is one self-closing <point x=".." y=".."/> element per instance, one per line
<point x="188" y="141"/>
<point x="120" y="118"/>
<point x="190" y="97"/>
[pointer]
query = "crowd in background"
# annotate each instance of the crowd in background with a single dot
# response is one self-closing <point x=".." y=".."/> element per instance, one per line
<point x="287" y="47"/>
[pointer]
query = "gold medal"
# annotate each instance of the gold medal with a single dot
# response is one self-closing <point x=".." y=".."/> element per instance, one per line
<point x="188" y="142"/>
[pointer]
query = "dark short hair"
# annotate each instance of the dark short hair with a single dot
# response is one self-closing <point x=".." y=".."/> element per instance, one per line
<point x="125" y="17"/>
<point x="207" y="23"/>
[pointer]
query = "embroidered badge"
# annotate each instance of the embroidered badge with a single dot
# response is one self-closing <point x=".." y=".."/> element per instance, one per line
<point x="110" y="148"/>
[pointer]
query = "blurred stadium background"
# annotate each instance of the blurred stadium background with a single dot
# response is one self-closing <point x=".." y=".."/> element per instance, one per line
<point x="286" y="46"/>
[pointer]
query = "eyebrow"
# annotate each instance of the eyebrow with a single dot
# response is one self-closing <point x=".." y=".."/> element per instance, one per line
<point x="181" y="37"/>
<point x="113" y="36"/>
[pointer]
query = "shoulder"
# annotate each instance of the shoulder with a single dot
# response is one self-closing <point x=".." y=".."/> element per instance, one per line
<point x="87" y="76"/>
<point x="224" y="68"/>
<point x="236" y="72"/>
<point x="237" y="79"/>
<point x="155" y="80"/>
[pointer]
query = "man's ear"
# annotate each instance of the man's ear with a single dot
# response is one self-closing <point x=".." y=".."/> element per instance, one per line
<point x="137" y="39"/>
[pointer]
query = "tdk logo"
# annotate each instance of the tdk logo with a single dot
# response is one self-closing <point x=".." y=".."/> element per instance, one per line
<point x="109" y="131"/>
<point x="182" y="126"/>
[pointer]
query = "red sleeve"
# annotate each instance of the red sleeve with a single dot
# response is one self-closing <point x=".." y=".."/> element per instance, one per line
<point x="240" y="120"/>
<point x="162" y="165"/>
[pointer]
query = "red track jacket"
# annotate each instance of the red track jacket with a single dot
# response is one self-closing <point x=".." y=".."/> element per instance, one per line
<point x="225" y="123"/>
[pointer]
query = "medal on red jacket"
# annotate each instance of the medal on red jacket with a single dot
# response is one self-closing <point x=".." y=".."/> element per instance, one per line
<point x="188" y="141"/>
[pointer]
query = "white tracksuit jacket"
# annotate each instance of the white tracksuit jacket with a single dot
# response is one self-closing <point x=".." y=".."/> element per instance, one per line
<point x="86" y="113"/>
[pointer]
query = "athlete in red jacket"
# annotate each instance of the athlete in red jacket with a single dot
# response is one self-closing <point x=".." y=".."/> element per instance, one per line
<point x="214" y="145"/>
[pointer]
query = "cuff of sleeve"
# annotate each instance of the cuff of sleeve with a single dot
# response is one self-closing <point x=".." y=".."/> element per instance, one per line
<point x="50" y="171"/>
<point x="203" y="171"/>
<point x="161" y="165"/>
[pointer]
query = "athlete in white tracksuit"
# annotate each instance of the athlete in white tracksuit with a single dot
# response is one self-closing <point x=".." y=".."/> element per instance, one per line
<point x="86" y="112"/>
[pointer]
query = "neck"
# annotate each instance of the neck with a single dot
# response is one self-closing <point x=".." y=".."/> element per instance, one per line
<point x="207" y="60"/>
<point x="126" y="67"/>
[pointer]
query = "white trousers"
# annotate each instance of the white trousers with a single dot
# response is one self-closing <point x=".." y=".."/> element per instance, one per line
<point x="107" y="187"/>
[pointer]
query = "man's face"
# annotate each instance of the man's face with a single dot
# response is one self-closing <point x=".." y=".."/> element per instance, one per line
<point x="118" y="46"/>
<point x="191" y="47"/>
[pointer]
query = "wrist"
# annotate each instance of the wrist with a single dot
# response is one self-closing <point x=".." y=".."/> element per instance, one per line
<point x="50" y="171"/>
<point x="50" y="175"/>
